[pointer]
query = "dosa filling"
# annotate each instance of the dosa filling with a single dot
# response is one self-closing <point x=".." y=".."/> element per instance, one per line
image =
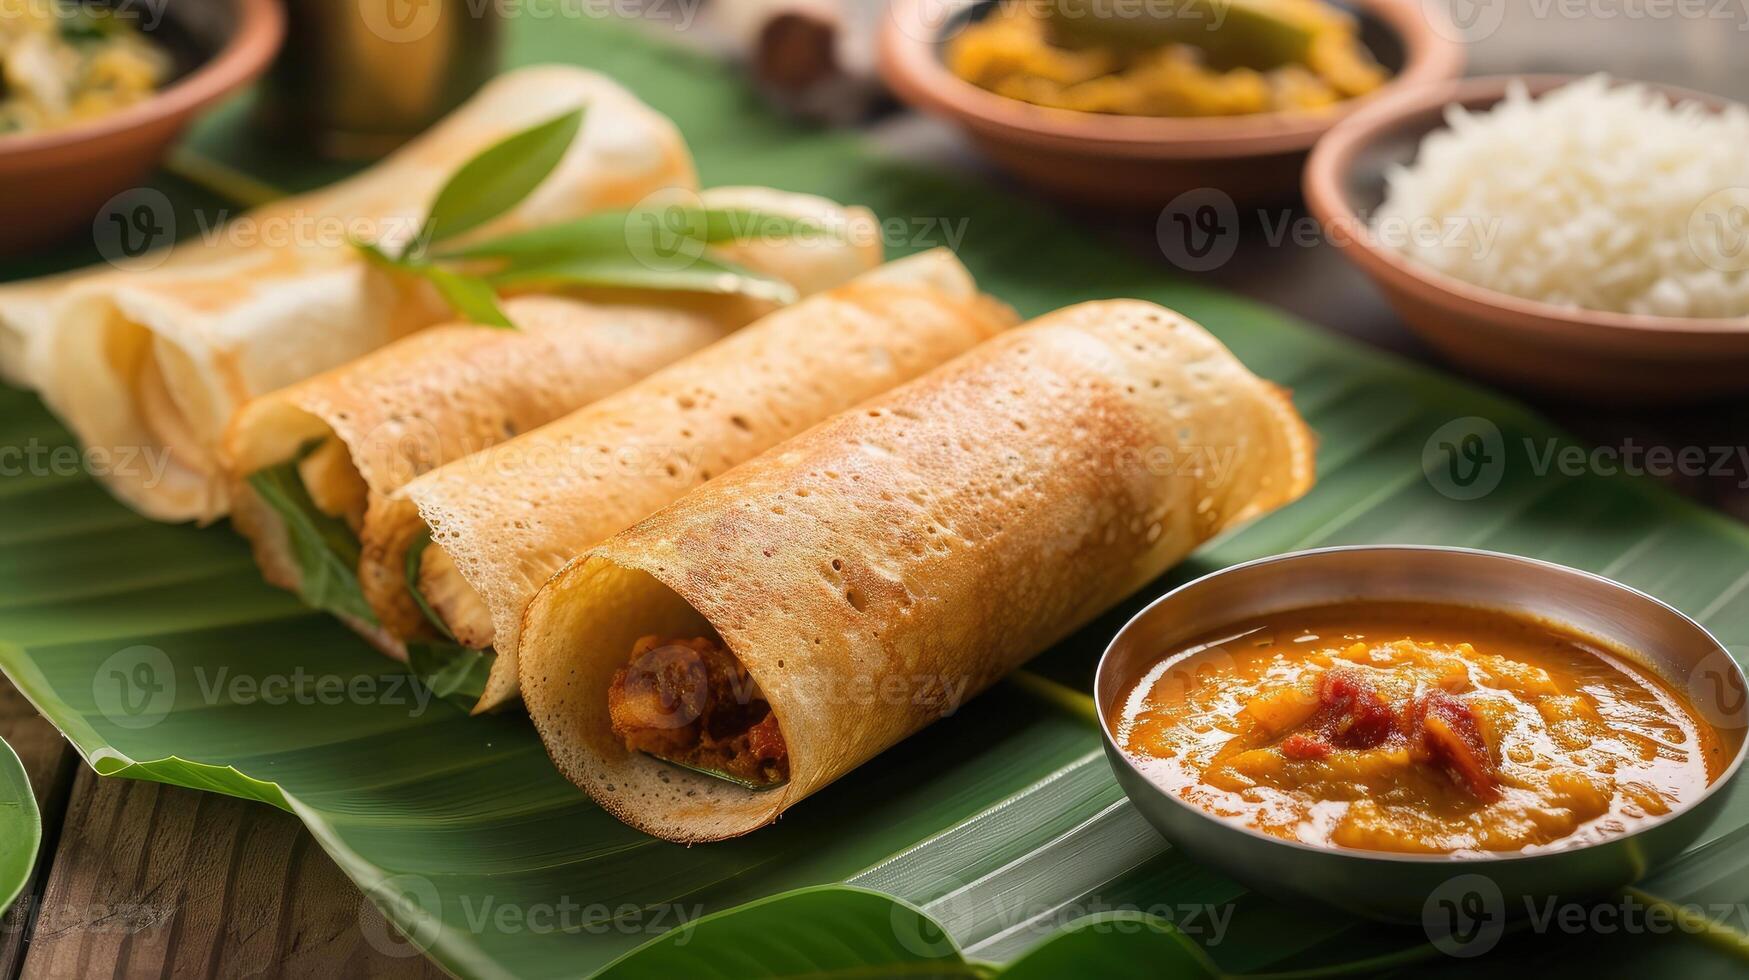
<point x="690" y="702"/>
<point x="1417" y="728"/>
<point x="320" y="499"/>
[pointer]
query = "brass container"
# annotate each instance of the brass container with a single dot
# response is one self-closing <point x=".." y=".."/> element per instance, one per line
<point x="359" y="77"/>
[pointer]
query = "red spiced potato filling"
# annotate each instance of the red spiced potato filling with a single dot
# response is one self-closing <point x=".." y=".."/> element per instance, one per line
<point x="689" y="701"/>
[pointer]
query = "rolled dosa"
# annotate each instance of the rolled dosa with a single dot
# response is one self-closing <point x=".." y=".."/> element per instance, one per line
<point x="871" y="573"/>
<point x="359" y="431"/>
<point x="162" y="360"/>
<point x="503" y="520"/>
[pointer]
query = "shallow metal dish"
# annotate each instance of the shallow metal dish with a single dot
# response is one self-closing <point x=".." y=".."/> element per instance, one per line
<point x="1400" y="887"/>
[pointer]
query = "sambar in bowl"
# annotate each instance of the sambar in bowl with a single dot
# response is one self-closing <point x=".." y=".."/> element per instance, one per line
<point x="1357" y="726"/>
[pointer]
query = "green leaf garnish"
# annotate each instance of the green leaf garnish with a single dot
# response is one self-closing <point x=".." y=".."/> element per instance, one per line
<point x="720" y="774"/>
<point x="497" y="179"/>
<point x="656" y="248"/>
<point x="415" y="555"/>
<point x="324" y="547"/>
<point x="470" y="296"/>
<point x="663" y="230"/>
<point x="452" y="672"/>
<point x="627" y="271"/>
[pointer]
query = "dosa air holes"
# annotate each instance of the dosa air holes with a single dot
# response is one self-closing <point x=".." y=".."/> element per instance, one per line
<point x="740" y="422"/>
<point x="856" y="599"/>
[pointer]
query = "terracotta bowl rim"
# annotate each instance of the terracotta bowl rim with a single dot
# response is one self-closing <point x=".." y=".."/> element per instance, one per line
<point x="912" y="67"/>
<point x="1335" y="155"/>
<point x="259" y="31"/>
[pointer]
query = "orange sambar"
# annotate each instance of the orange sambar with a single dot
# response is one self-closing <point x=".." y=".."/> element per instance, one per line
<point x="1417" y="728"/>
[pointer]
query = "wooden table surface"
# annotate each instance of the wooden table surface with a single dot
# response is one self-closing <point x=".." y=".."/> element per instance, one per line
<point x="137" y="879"/>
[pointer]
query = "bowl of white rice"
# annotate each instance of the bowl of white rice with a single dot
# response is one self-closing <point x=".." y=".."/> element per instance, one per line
<point x="1584" y="236"/>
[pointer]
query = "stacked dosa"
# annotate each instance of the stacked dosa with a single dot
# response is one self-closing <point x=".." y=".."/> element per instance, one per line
<point x="501" y="521"/>
<point x="354" y="434"/>
<point x="161" y="360"/>
<point x="854" y="584"/>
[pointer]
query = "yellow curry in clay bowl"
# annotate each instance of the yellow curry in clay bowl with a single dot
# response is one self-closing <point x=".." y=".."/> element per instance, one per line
<point x="1360" y="726"/>
<point x="1129" y="104"/>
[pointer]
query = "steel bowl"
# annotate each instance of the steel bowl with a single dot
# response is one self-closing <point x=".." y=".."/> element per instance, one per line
<point x="1406" y="887"/>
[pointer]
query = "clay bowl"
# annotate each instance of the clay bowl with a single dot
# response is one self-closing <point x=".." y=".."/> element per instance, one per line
<point x="1524" y="344"/>
<point x="1142" y="163"/>
<point x="217" y="45"/>
<point x="1421" y="888"/>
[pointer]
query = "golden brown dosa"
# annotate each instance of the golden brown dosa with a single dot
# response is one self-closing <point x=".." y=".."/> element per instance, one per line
<point x="510" y="516"/>
<point x="871" y="572"/>
<point x="161" y="360"/>
<point x="452" y="390"/>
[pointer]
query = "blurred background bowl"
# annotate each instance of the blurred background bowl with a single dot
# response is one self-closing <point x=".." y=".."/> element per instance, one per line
<point x="60" y="179"/>
<point x="1401" y="887"/>
<point x="1143" y="162"/>
<point x="1534" y="346"/>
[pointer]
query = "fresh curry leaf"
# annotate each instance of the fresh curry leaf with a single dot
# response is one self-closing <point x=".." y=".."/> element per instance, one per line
<point x="498" y="178"/>
<point x="625" y="270"/>
<point x="324" y="547"/>
<point x="655" y="228"/>
<point x="452" y="672"/>
<point x="416" y="554"/>
<point x="722" y="774"/>
<point x="470" y="296"/>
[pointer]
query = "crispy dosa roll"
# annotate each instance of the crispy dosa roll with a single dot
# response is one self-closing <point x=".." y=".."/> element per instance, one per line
<point x="791" y="619"/>
<point x="161" y="360"/>
<point x="326" y="452"/>
<point x="500" y="522"/>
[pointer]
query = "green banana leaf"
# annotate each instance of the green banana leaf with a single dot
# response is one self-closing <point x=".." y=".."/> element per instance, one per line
<point x="161" y="656"/>
<point x="21" y="828"/>
<point x="843" y="931"/>
<point x="829" y="930"/>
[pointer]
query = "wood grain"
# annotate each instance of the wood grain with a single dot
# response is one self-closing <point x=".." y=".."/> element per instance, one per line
<point x="50" y="763"/>
<point x="143" y="880"/>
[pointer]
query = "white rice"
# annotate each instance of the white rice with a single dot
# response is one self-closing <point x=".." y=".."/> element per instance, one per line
<point x="1599" y="196"/>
